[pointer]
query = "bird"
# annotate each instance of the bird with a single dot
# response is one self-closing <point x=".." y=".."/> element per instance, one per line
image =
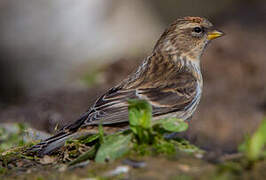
<point x="169" y="79"/>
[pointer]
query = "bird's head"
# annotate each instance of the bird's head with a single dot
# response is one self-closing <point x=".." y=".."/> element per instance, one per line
<point x="188" y="37"/>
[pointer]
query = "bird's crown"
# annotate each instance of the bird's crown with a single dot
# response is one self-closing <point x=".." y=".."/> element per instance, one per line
<point x="187" y="35"/>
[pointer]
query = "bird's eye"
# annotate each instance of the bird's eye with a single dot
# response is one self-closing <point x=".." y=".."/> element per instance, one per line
<point x="197" y="29"/>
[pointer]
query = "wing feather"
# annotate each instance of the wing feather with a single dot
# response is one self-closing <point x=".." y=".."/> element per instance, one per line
<point x="174" y="95"/>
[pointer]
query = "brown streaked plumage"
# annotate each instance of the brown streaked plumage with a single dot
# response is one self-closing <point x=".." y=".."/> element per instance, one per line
<point x="169" y="79"/>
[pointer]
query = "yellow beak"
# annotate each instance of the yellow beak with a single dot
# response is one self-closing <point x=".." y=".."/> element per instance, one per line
<point x="214" y="34"/>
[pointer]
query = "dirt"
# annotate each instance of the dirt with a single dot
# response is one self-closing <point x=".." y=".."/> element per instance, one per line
<point x="179" y="166"/>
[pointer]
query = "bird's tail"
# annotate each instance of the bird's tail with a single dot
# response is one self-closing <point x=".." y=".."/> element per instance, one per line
<point x="51" y="144"/>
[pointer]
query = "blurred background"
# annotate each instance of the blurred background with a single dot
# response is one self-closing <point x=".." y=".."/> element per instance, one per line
<point x="58" y="56"/>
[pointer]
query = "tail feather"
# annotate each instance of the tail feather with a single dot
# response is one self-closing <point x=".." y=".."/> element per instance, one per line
<point x="51" y="144"/>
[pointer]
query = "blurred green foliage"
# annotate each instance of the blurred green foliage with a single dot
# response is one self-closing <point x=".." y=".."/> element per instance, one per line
<point x="12" y="137"/>
<point x="92" y="77"/>
<point x="254" y="146"/>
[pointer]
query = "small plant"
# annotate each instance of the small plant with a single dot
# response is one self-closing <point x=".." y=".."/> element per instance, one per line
<point x="140" y="115"/>
<point x="142" y="136"/>
<point x="254" y="146"/>
<point x="252" y="151"/>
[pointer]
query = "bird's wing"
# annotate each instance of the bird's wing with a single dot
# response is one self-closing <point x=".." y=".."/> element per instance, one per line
<point x="111" y="108"/>
<point x="169" y="96"/>
<point x="172" y="95"/>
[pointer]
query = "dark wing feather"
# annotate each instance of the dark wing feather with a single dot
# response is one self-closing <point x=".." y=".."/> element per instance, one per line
<point x="174" y="95"/>
<point x="111" y="108"/>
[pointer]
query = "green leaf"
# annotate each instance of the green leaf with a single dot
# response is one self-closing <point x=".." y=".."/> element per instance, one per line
<point x="174" y="125"/>
<point x="257" y="142"/>
<point x="253" y="146"/>
<point x="114" y="146"/>
<point x="101" y="133"/>
<point x="140" y="113"/>
<point x="90" y="138"/>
